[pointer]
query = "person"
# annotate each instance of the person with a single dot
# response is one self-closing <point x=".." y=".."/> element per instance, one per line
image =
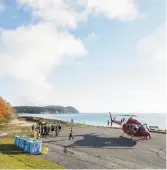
<point x="71" y="136"/>
<point x="56" y="130"/>
<point x="48" y="129"/>
<point x="33" y="127"/>
<point x="42" y="130"/>
<point x="52" y="130"/>
<point x="108" y="122"/>
<point x="45" y="130"/>
<point x="59" y="128"/>
<point x="36" y="134"/>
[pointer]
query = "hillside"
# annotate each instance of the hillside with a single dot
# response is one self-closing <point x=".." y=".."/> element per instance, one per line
<point x="46" y="109"/>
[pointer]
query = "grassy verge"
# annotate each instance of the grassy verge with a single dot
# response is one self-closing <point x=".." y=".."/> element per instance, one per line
<point x="158" y="131"/>
<point x="12" y="157"/>
<point x="14" y="130"/>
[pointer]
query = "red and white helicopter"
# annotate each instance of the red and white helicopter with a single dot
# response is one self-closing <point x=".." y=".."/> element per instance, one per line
<point x="132" y="127"/>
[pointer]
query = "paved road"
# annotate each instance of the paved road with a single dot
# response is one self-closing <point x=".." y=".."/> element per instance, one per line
<point x="101" y="148"/>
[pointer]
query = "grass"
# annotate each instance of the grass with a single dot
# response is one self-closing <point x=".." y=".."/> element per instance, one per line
<point x="158" y="131"/>
<point x="12" y="131"/>
<point x="12" y="157"/>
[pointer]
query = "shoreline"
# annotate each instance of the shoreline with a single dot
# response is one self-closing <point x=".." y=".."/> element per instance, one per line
<point x="54" y="121"/>
<point x="156" y="122"/>
<point x="67" y="123"/>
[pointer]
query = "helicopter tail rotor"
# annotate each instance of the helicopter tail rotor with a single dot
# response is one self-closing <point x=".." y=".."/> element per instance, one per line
<point x="111" y="118"/>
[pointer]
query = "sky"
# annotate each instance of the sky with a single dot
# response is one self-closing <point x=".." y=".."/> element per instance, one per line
<point x="97" y="56"/>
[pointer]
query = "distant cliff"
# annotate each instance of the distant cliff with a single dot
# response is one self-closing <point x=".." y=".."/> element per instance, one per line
<point x="72" y="109"/>
<point x="46" y="109"/>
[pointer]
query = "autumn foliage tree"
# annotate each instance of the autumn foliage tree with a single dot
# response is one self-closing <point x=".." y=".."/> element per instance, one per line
<point x="6" y="110"/>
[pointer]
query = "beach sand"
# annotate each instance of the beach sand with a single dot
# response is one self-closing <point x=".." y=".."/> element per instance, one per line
<point x="101" y="148"/>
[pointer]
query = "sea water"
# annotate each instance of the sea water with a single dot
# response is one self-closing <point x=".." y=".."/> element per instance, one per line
<point x="101" y="119"/>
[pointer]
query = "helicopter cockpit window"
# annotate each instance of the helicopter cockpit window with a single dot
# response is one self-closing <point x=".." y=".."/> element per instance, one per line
<point x="141" y="128"/>
<point x="135" y="128"/>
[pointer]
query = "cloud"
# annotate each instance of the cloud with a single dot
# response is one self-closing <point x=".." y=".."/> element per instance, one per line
<point x="152" y="58"/>
<point x="2" y="6"/>
<point x="70" y="13"/>
<point x="120" y="9"/>
<point x="151" y="70"/>
<point x="29" y="54"/>
<point x="59" y="12"/>
<point x="153" y="47"/>
<point x="140" y="87"/>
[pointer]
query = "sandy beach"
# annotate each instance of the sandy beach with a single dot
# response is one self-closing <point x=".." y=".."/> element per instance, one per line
<point x="101" y="148"/>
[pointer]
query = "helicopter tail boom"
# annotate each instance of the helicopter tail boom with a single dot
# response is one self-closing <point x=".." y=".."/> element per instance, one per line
<point x="114" y="121"/>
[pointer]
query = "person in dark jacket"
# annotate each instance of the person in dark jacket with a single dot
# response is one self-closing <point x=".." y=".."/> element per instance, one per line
<point x="71" y="136"/>
<point x="42" y="130"/>
<point x="33" y="127"/>
<point x="48" y="129"/>
<point x="52" y="130"/>
<point x="56" y="130"/>
<point x="59" y="128"/>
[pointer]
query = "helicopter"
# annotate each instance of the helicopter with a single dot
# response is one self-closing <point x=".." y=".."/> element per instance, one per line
<point x="132" y="127"/>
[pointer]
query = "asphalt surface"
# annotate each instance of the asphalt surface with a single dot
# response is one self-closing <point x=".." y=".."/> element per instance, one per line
<point x="102" y="148"/>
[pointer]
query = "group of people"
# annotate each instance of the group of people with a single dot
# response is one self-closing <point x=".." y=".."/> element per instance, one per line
<point x="46" y="129"/>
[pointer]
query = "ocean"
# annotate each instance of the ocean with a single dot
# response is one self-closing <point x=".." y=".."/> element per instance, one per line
<point x="101" y="119"/>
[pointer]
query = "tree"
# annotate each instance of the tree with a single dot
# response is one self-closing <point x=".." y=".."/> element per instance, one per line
<point x="6" y="110"/>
